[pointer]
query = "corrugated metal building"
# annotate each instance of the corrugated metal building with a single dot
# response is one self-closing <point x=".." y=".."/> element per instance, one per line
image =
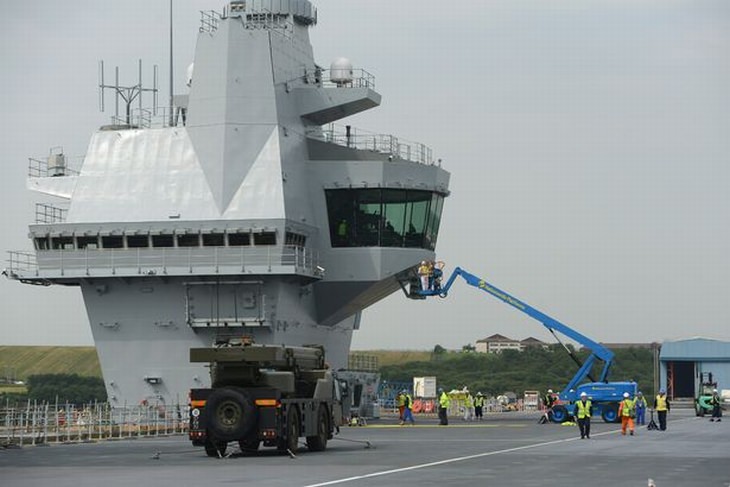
<point x="683" y="362"/>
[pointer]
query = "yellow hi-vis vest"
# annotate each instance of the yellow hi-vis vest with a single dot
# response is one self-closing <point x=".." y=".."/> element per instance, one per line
<point x="479" y="401"/>
<point x="627" y="407"/>
<point x="661" y="403"/>
<point x="444" y="401"/>
<point x="584" y="409"/>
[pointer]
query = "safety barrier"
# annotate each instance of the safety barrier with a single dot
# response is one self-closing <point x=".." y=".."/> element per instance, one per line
<point x="43" y="423"/>
<point x="456" y="408"/>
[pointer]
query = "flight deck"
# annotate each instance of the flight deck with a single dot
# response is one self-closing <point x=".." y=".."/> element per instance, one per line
<point x="505" y="449"/>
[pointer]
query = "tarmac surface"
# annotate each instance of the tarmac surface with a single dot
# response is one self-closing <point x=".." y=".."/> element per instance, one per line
<point x="504" y="449"/>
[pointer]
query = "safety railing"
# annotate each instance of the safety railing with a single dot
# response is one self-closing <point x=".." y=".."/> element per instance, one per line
<point x="39" y="423"/>
<point x="360" y="79"/>
<point x="323" y="77"/>
<point x="209" y="20"/>
<point x="252" y="19"/>
<point x="20" y="262"/>
<point x="391" y="145"/>
<point x="177" y="261"/>
<point x="150" y="118"/>
<point x="49" y="214"/>
<point x="39" y="168"/>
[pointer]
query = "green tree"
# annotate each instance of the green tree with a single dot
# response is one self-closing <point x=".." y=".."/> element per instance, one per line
<point x="438" y="352"/>
<point x="533" y="369"/>
<point x="70" y="388"/>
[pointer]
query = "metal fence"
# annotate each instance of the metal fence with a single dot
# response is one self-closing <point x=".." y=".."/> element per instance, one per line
<point x="42" y="423"/>
<point x="152" y="261"/>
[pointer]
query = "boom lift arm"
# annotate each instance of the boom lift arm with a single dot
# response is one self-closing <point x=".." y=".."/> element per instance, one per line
<point x="598" y="351"/>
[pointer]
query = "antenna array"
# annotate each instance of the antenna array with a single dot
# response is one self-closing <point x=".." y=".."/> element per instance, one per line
<point x="127" y="94"/>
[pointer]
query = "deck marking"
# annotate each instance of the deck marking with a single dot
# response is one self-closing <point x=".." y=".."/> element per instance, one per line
<point x="450" y="460"/>
<point x="462" y="459"/>
<point x="436" y="426"/>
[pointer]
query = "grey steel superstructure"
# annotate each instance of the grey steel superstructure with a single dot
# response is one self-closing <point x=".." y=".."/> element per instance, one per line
<point x="252" y="214"/>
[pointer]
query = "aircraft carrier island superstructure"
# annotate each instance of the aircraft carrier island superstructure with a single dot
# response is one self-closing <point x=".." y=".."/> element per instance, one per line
<point x="247" y="213"/>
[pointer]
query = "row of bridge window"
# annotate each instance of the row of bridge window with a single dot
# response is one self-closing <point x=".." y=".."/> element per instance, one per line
<point x="238" y="239"/>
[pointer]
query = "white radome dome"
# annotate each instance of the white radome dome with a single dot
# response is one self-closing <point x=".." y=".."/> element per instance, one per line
<point x="341" y="71"/>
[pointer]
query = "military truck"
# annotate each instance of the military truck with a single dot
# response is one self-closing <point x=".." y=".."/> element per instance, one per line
<point x="264" y="394"/>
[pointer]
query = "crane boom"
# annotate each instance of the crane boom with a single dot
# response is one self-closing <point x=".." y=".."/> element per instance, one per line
<point x="598" y="351"/>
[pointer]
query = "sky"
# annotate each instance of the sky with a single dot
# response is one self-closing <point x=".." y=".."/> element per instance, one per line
<point x="588" y="143"/>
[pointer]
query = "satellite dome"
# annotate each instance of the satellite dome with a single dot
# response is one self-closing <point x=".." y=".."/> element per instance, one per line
<point x="341" y="71"/>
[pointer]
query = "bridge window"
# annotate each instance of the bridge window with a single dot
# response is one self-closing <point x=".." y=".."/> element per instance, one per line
<point x="384" y="217"/>
<point x="87" y="242"/>
<point x="162" y="241"/>
<point x="188" y="240"/>
<point x="41" y="243"/>
<point x="295" y="239"/>
<point x="62" y="243"/>
<point x="112" y="242"/>
<point x="137" y="241"/>
<point x="239" y="239"/>
<point x="214" y="240"/>
<point x="264" y="238"/>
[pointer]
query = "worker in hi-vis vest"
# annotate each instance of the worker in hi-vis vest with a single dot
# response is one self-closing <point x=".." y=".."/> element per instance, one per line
<point x="479" y="406"/>
<point x="583" y="412"/>
<point x="662" y="407"/>
<point x="627" y="411"/>
<point x="400" y="401"/>
<point x="444" y="403"/>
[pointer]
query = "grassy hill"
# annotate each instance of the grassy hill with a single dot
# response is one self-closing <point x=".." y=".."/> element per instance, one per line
<point x="533" y="369"/>
<point x="22" y="362"/>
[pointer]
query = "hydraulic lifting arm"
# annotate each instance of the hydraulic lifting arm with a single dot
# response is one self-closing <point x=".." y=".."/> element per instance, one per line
<point x="598" y="351"/>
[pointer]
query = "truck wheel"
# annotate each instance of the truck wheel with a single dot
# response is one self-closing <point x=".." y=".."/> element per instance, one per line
<point x="699" y="410"/>
<point x="230" y="414"/>
<point x="610" y="413"/>
<point x="319" y="441"/>
<point x="559" y="414"/>
<point x="291" y="441"/>
<point x="215" y="448"/>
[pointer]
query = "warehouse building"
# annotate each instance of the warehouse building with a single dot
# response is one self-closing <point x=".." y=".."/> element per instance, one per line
<point x="683" y="363"/>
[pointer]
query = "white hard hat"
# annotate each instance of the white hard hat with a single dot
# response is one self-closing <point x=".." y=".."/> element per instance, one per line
<point x="583" y="394"/>
<point x="714" y="390"/>
<point x="550" y="391"/>
<point x="626" y="394"/>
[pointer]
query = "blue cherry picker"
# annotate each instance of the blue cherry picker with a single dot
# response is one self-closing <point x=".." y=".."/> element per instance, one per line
<point x="605" y="396"/>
